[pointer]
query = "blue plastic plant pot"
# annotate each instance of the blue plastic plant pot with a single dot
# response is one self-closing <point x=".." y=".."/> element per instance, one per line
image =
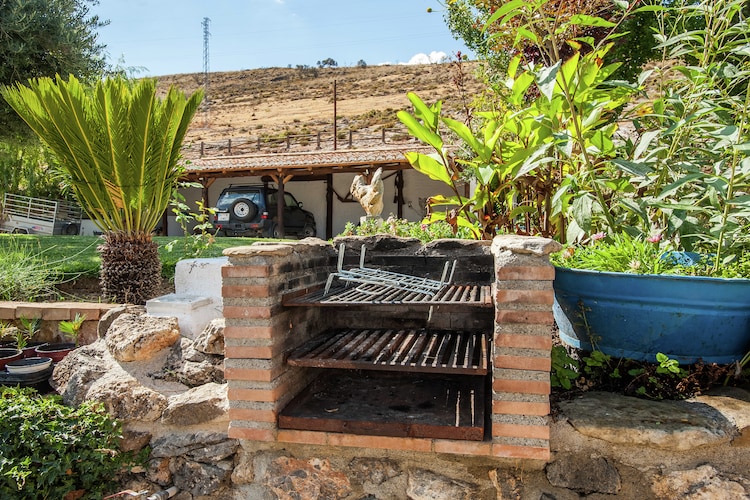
<point x="633" y="316"/>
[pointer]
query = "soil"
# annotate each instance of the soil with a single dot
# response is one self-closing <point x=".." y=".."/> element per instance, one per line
<point x="87" y="289"/>
<point x="273" y="102"/>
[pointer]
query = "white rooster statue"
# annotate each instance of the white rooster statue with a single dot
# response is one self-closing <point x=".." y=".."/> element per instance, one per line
<point x="370" y="196"/>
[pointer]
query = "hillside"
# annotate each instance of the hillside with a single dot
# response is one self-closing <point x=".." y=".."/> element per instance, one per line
<point x="273" y="102"/>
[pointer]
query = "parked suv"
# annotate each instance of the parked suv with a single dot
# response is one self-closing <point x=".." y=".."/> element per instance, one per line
<point x="252" y="211"/>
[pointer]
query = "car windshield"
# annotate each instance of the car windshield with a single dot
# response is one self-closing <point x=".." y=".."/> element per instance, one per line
<point x="289" y="200"/>
<point x="229" y="197"/>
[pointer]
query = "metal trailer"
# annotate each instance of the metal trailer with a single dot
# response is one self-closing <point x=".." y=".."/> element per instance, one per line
<point x="22" y="214"/>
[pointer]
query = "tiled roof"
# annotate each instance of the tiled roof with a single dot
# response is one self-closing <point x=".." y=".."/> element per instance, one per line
<point x="302" y="163"/>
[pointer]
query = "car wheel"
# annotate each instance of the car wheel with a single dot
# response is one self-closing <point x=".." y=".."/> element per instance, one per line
<point x="244" y="209"/>
<point x="309" y="231"/>
<point x="272" y="231"/>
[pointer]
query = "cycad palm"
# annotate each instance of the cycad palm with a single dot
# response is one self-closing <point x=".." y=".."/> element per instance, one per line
<point x="119" y="147"/>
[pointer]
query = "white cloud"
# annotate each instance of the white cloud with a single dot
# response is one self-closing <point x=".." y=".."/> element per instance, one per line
<point x="433" y="57"/>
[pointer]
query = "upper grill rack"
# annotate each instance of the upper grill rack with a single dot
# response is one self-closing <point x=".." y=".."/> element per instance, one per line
<point x="369" y="276"/>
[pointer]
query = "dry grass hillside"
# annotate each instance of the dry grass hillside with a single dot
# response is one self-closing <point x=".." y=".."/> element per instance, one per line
<point x="275" y="102"/>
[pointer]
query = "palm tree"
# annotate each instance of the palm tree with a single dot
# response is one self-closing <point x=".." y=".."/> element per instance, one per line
<point x="118" y="146"/>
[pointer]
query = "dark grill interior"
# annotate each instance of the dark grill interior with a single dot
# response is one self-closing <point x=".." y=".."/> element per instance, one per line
<point x="429" y="351"/>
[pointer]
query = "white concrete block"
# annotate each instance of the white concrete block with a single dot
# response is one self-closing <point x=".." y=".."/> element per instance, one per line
<point x="200" y="277"/>
<point x="193" y="312"/>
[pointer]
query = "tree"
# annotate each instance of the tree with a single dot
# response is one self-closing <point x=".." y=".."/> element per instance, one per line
<point x="327" y="63"/>
<point x="118" y="146"/>
<point x="468" y="20"/>
<point x="45" y="38"/>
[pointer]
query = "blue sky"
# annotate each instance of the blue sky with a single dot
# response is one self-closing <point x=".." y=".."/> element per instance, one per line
<point x="166" y="36"/>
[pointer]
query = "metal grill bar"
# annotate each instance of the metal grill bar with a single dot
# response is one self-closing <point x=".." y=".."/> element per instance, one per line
<point x="378" y="278"/>
<point x="408" y="350"/>
<point x="474" y="295"/>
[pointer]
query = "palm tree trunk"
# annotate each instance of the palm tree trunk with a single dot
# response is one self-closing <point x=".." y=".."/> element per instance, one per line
<point x="130" y="270"/>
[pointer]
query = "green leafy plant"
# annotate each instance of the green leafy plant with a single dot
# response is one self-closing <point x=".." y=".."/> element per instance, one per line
<point x="25" y="271"/>
<point x="565" y="369"/>
<point x="197" y="240"/>
<point x="401" y="227"/>
<point x="51" y="451"/>
<point x="72" y="329"/>
<point x="30" y="327"/>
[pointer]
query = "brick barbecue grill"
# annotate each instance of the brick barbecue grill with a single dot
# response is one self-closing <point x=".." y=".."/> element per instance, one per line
<point x="460" y="368"/>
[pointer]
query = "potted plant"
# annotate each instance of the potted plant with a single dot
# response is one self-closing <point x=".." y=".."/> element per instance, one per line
<point x="569" y="153"/>
<point x="8" y="352"/>
<point x="29" y="329"/>
<point x="58" y="350"/>
<point x="687" y="173"/>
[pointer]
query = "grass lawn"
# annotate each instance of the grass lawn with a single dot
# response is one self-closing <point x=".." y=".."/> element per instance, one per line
<point x="77" y="255"/>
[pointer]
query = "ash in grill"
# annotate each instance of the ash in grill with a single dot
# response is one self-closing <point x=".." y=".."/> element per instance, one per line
<point x="403" y="355"/>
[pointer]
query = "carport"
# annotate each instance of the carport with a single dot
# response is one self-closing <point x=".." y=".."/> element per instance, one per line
<point x="284" y="167"/>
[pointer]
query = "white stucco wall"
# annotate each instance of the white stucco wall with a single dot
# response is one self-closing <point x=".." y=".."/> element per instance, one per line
<point x="312" y="195"/>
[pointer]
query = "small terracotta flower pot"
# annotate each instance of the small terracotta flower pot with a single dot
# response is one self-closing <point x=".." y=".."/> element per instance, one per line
<point x="9" y="354"/>
<point x="56" y="351"/>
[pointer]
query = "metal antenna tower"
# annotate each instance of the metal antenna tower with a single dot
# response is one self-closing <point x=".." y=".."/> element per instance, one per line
<point x="206" y="35"/>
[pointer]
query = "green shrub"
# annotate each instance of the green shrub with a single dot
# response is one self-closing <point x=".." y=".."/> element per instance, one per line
<point x="50" y="450"/>
<point x="24" y="271"/>
<point x="403" y="228"/>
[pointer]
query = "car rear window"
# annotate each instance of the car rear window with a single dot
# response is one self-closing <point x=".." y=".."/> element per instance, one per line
<point x="226" y="199"/>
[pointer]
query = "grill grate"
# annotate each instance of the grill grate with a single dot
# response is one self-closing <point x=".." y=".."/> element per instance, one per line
<point x="475" y="295"/>
<point x="404" y="350"/>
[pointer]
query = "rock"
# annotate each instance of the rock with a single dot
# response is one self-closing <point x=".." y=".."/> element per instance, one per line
<point x="701" y="483"/>
<point x="507" y="484"/>
<point x="671" y="425"/>
<point x="191" y="367"/>
<point x="427" y="485"/>
<point x="211" y="339"/>
<point x="525" y="245"/>
<point x="158" y="471"/>
<point x="178" y="444"/>
<point x="74" y="375"/>
<point x="373" y="470"/>
<point x="584" y="475"/>
<point x="201" y="479"/>
<point x="106" y="320"/>
<point x="138" y="337"/>
<point x="198" y="405"/>
<point x="126" y="399"/>
<point x="133" y="440"/>
<point x="290" y="478"/>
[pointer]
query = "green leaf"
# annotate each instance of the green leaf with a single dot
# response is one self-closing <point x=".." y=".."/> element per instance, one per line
<point x="546" y="79"/>
<point x="586" y="20"/>
<point x="420" y="131"/>
<point x="429" y="166"/>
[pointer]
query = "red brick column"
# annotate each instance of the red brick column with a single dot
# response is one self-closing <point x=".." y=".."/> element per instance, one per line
<point x="259" y="331"/>
<point x="522" y="344"/>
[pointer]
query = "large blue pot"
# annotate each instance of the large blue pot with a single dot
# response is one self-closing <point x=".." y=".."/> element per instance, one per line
<point x="636" y="316"/>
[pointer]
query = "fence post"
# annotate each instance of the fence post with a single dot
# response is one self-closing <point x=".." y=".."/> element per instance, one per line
<point x="258" y="143"/>
<point x="229" y="146"/>
<point x="287" y="142"/>
<point x="350" y="138"/>
<point x="201" y="149"/>
<point x="383" y="130"/>
<point x="318" y="139"/>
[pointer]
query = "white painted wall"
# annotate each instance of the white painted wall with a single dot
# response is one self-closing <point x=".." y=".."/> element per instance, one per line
<point x="312" y="195"/>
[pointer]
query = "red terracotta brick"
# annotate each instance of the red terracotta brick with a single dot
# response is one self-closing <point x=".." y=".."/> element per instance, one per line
<point x="381" y="442"/>
<point x="245" y="291"/>
<point x="249" y="352"/>
<point x="546" y="297"/>
<point x="543" y="342"/>
<point x="242" y="312"/>
<point x="251" y="434"/>
<point x="252" y="374"/>
<point x="462" y="447"/>
<point x="526" y="273"/>
<point x="249" y="332"/>
<point x="542" y="364"/>
<point x="527" y="452"/>
<point x="520" y="408"/>
<point x="520" y="431"/>
<point x="252" y="415"/>
<point x="521" y="316"/>
<point x="521" y="386"/>
<point x="245" y="271"/>
<point x="302" y="437"/>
